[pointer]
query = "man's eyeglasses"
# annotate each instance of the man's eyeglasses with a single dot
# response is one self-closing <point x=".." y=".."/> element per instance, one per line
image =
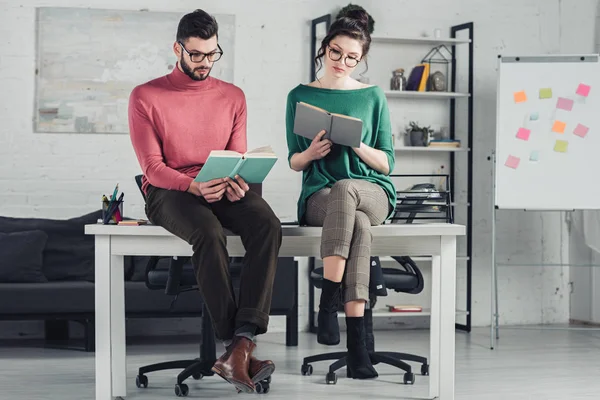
<point x="336" y="55"/>
<point x="197" y="57"/>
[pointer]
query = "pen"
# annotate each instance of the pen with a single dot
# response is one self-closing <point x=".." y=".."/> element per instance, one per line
<point x="112" y="208"/>
<point x="114" y="195"/>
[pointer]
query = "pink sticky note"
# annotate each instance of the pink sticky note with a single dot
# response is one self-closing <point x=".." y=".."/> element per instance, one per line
<point x="581" y="130"/>
<point x="564" y="104"/>
<point x="523" y="134"/>
<point x="512" y="162"/>
<point x="583" y="89"/>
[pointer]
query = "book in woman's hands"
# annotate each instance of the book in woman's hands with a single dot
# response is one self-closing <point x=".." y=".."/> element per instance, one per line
<point x="253" y="166"/>
<point x="340" y="129"/>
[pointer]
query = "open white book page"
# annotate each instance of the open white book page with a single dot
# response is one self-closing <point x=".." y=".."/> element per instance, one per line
<point x="264" y="151"/>
<point x="314" y="107"/>
<point x="225" y="153"/>
<point x="346" y="116"/>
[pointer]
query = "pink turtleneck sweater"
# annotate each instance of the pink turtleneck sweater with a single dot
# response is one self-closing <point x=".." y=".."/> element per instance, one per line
<point x="175" y="122"/>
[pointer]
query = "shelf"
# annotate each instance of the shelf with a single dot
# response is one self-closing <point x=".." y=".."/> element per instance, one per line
<point x="421" y="258"/>
<point x="383" y="312"/>
<point x="413" y="40"/>
<point x="433" y="149"/>
<point x="413" y="94"/>
<point x="419" y="40"/>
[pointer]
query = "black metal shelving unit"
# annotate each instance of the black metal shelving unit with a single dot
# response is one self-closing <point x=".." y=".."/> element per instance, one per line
<point x="454" y="30"/>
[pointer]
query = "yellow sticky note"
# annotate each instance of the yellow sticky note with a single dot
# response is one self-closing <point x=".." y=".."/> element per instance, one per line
<point x="520" y="97"/>
<point x="545" y="93"/>
<point x="559" y="127"/>
<point x="561" y="146"/>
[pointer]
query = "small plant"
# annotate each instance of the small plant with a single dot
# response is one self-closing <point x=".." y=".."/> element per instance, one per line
<point x="419" y="135"/>
<point x="414" y="127"/>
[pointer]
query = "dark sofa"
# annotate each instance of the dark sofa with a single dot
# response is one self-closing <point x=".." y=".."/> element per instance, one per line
<point x="47" y="273"/>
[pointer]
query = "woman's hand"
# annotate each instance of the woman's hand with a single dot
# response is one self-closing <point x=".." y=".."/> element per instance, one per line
<point x="318" y="149"/>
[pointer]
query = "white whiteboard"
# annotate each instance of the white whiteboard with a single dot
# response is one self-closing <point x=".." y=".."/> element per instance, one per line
<point x="548" y="170"/>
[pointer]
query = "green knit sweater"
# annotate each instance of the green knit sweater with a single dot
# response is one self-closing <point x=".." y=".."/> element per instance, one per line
<point x="368" y="104"/>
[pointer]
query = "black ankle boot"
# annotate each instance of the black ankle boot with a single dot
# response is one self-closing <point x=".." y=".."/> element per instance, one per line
<point x="329" y="329"/>
<point x="358" y="361"/>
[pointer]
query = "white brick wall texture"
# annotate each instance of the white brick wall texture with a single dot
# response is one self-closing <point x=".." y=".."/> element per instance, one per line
<point x="63" y="175"/>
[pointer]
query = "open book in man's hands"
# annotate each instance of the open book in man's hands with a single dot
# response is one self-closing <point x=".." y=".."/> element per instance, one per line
<point x="253" y="166"/>
<point x="340" y="129"/>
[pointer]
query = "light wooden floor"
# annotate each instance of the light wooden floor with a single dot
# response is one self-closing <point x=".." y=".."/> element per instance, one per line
<point x="527" y="364"/>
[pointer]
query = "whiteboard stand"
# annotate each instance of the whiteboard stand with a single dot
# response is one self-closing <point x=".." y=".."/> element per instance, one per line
<point x="547" y="141"/>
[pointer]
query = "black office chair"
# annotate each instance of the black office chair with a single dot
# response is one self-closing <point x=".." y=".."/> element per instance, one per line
<point x="407" y="280"/>
<point x="179" y="277"/>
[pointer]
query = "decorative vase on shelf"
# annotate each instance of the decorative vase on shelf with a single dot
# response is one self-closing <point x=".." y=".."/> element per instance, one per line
<point x="417" y="138"/>
<point x="398" y="81"/>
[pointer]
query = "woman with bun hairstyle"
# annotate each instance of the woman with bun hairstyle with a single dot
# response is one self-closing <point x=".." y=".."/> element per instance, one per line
<point x="345" y="190"/>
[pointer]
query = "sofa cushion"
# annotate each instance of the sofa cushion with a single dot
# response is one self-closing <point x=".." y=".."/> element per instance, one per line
<point x="21" y="256"/>
<point x="46" y="298"/>
<point x="69" y="253"/>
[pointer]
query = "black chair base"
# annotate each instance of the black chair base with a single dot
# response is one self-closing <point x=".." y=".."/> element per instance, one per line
<point x="377" y="357"/>
<point x="197" y="368"/>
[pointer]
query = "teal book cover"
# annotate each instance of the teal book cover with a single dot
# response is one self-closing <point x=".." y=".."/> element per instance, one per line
<point x="217" y="167"/>
<point x="255" y="170"/>
<point x="253" y="167"/>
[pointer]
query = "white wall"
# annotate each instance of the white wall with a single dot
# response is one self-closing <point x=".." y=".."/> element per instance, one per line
<point x="60" y="175"/>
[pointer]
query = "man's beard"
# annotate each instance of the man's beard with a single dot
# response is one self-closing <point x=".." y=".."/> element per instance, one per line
<point x="191" y="72"/>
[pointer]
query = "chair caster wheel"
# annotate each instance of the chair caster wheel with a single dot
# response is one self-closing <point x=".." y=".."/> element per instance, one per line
<point x="181" y="390"/>
<point x="331" y="378"/>
<point x="424" y="369"/>
<point x="306" y="369"/>
<point x="197" y="376"/>
<point x="141" y="381"/>
<point x="409" y="378"/>
<point x="262" y="387"/>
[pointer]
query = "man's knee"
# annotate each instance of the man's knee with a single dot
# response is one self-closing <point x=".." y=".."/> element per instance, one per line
<point x="264" y="220"/>
<point x="269" y="224"/>
<point x="210" y="235"/>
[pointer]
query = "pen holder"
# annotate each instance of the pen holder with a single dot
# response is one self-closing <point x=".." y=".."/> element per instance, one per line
<point x="112" y="213"/>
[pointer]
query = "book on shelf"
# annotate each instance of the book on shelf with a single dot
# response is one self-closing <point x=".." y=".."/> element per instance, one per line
<point x="340" y="129"/>
<point x="444" y="143"/>
<point x="252" y="166"/>
<point x="404" y="308"/>
<point x="417" y="80"/>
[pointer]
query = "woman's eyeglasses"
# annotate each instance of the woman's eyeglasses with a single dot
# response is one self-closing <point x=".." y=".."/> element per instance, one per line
<point x="336" y="55"/>
<point x="197" y="57"/>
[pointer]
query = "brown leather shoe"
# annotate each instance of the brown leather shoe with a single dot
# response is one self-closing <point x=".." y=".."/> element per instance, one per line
<point x="260" y="370"/>
<point x="233" y="366"/>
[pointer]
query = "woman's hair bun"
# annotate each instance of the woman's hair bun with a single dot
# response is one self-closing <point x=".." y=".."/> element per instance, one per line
<point x="359" y="14"/>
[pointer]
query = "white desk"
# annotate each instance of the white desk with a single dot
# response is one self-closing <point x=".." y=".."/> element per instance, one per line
<point x="115" y="242"/>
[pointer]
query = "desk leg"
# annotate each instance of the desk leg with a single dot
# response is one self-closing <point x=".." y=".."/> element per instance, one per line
<point x="434" y="329"/>
<point x="447" y="317"/>
<point x="117" y="326"/>
<point x="103" y="354"/>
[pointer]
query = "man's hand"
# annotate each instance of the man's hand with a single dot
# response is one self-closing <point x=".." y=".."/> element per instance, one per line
<point x="318" y="148"/>
<point x="236" y="189"/>
<point x="212" y="191"/>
